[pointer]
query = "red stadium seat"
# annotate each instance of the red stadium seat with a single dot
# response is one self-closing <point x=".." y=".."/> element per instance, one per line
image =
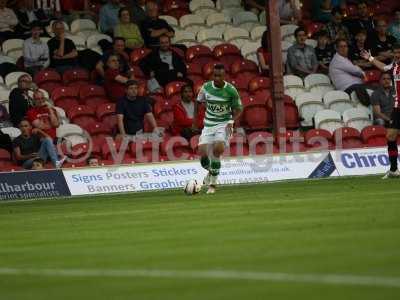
<point x="208" y="69"/>
<point x="238" y="145"/>
<point x="373" y="76"/>
<point x="374" y="136"/>
<point x="174" y="88"/>
<point x="4" y="155"/>
<point x="194" y="71"/>
<point x="121" y="148"/>
<point x="81" y="115"/>
<point x="241" y="85"/>
<point x="241" y="66"/>
<point x="76" y="77"/>
<point x="199" y="54"/>
<point x="142" y="88"/>
<point x="169" y="5"/>
<point x="291" y="112"/>
<point x="48" y="79"/>
<point x="85" y="149"/>
<point x="290" y="142"/>
<point x="227" y="54"/>
<point x="138" y="73"/>
<point x="261" y="142"/>
<point x="138" y="54"/>
<point x="313" y="28"/>
<point x="259" y="83"/>
<point x="106" y="114"/>
<point x="145" y="150"/>
<point x="175" y="148"/>
<point x="163" y="112"/>
<point x="255" y="114"/>
<point x="197" y="86"/>
<point x="65" y="97"/>
<point x="91" y="91"/>
<point x="320" y="139"/>
<point x="97" y="129"/>
<point x="347" y="137"/>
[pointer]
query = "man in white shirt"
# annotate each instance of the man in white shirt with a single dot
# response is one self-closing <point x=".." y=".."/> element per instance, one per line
<point x="8" y="20"/>
<point x="345" y="75"/>
<point x="36" y="52"/>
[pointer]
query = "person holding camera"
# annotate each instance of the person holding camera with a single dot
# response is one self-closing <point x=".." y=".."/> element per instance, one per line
<point x="36" y="52"/>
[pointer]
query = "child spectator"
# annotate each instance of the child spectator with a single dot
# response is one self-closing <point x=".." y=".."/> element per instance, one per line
<point x="324" y="52"/>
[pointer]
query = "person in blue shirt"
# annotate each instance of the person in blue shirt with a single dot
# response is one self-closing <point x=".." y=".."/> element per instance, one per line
<point x="108" y="17"/>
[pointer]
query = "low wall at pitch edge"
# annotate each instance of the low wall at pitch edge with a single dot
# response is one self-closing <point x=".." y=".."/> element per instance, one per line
<point x="172" y="175"/>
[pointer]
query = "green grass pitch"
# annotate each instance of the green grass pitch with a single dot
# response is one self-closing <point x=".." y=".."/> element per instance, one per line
<point x="320" y="239"/>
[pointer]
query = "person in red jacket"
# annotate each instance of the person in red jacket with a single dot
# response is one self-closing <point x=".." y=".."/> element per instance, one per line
<point x="184" y="114"/>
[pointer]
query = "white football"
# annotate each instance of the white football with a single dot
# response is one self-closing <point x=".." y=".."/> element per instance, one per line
<point x="192" y="187"/>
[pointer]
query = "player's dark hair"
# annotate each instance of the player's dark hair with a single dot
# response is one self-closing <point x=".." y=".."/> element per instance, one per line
<point x="321" y="33"/>
<point x="363" y="31"/>
<point x="386" y="73"/>
<point x="219" y="67"/>
<point x="396" y="46"/>
<point x="118" y="38"/>
<point x="299" y="29"/>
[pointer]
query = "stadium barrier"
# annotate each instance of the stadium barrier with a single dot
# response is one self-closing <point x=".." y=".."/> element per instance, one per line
<point x="173" y="175"/>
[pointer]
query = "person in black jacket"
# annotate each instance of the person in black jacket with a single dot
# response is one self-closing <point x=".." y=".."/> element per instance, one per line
<point x="164" y="64"/>
<point x="19" y="100"/>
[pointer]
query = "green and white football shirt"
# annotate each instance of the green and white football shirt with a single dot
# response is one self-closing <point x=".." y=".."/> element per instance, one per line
<point x="220" y="103"/>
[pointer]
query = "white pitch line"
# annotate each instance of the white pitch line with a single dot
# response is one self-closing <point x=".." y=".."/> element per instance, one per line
<point x="332" y="279"/>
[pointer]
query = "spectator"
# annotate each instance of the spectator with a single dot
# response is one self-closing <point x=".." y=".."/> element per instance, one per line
<point x="43" y="116"/>
<point x="335" y="28"/>
<point x="137" y="9"/>
<point x="37" y="164"/>
<point x="394" y="28"/>
<point x="51" y="9"/>
<point x="114" y="80"/>
<point x="153" y="27"/>
<point x="301" y="58"/>
<point x="288" y="11"/>
<point x="123" y="58"/>
<point x="380" y="43"/>
<point x="32" y="144"/>
<point x="92" y="161"/>
<point x="131" y="111"/>
<point x="20" y="101"/>
<point x="324" y="52"/>
<point x="5" y="142"/>
<point x="63" y="53"/>
<point x="345" y="75"/>
<point x="4" y="117"/>
<point x="164" y="64"/>
<point x="108" y="17"/>
<point x="36" y="52"/>
<point x="363" y="21"/>
<point x="128" y="30"/>
<point x="184" y="115"/>
<point x="357" y="48"/>
<point x="264" y="57"/>
<point x="26" y="15"/>
<point x="382" y="100"/>
<point x="322" y="10"/>
<point x="8" y="20"/>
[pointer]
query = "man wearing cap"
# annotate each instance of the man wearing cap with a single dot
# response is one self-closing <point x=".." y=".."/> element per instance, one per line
<point x="36" y="52"/>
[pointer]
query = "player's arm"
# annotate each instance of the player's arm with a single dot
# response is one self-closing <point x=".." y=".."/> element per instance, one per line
<point x="380" y="65"/>
<point x="201" y="98"/>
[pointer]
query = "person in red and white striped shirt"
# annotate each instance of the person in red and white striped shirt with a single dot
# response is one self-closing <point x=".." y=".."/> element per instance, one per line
<point x="393" y="125"/>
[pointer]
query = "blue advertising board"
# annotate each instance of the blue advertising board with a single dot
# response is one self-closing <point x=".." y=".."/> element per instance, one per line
<point x="33" y="184"/>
